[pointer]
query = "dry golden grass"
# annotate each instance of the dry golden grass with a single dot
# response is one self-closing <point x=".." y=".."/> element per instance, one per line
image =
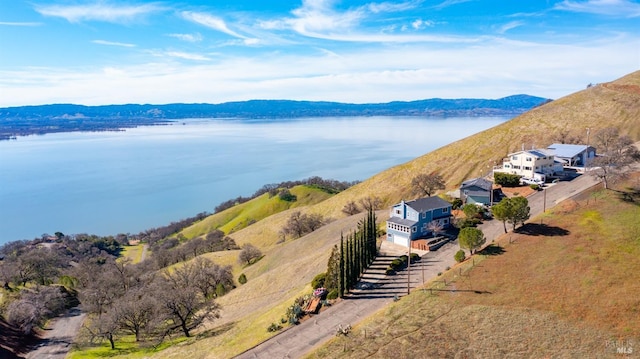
<point x="284" y="274"/>
<point x="569" y="288"/>
<point x="288" y="267"/>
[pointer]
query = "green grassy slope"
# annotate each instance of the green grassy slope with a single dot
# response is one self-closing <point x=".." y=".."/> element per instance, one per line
<point x="239" y="216"/>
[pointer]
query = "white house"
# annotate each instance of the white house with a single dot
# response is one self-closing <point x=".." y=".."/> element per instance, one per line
<point x="528" y="162"/>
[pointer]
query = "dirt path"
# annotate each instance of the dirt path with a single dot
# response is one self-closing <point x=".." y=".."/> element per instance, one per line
<point x="376" y="290"/>
<point x="58" y="336"/>
<point x="143" y="256"/>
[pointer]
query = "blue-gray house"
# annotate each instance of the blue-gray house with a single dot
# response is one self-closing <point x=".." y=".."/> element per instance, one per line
<point x="476" y="191"/>
<point x="413" y="219"/>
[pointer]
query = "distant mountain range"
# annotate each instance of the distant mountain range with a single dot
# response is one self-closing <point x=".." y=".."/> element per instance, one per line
<point x="27" y="120"/>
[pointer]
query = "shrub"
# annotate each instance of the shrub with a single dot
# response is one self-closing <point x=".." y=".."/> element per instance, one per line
<point x="318" y="281"/>
<point x="471" y="210"/>
<point x="506" y="179"/>
<point x="274" y="327"/>
<point x="460" y="256"/>
<point x="396" y="264"/>
<point x="242" y="279"/>
<point x="468" y="222"/>
<point x="220" y="290"/>
<point x="333" y="294"/>
<point x="457" y="203"/>
<point x="285" y="195"/>
<point x="414" y="257"/>
<point x="534" y="186"/>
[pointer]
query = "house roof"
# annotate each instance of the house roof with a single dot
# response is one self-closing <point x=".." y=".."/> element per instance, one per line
<point x="401" y="221"/>
<point x="537" y="153"/>
<point x="477" y="182"/>
<point x="566" y="150"/>
<point x="428" y="204"/>
<point x="478" y="194"/>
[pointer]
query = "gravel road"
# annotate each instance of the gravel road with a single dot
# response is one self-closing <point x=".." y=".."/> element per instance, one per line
<point x="58" y="336"/>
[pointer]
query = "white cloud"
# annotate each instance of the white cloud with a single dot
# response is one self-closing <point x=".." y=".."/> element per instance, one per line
<point x="317" y="16"/>
<point x="385" y="7"/>
<point x="112" y="43"/>
<point x="187" y="56"/>
<point x="9" y="23"/>
<point x="491" y="69"/>
<point x="448" y="3"/>
<point x="99" y="11"/>
<point x="509" y="26"/>
<point x="214" y="23"/>
<point x="187" y="37"/>
<point x="317" y="19"/>
<point x="618" y="8"/>
<point x="421" y="24"/>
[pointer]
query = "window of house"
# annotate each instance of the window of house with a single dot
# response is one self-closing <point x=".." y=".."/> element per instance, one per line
<point x="528" y="159"/>
<point x="506" y="165"/>
<point x="446" y="221"/>
<point x="527" y="168"/>
<point x="514" y="158"/>
<point x="516" y="167"/>
<point x="445" y="210"/>
<point x="398" y="211"/>
<point x="424" y="215"/>
<point x="414" y="229"/>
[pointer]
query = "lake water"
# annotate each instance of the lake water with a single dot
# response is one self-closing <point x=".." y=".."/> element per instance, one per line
<point x="125" y="182"/>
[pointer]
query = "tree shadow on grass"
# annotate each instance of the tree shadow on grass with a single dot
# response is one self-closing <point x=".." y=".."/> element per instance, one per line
<point x="221" y="329"/>
<point x="492" y="250"/>
<point x="631" y="195"/>
<point x="537" y="229"/>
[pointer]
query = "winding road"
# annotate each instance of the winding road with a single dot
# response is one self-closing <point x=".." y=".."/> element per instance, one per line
<point x="376" y="290"/>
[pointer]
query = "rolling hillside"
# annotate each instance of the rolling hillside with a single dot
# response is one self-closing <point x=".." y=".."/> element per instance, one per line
<point x="244" y="214"/>
<point x="288" y="267"/>
<point x="568" y="292"/>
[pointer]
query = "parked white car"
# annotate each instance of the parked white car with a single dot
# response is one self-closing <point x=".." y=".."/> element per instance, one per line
<point x="526" y="180"/>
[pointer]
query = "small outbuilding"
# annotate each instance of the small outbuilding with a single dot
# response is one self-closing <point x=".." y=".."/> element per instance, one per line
<point x="477" y="191"/>
<point x="572" y="155"/>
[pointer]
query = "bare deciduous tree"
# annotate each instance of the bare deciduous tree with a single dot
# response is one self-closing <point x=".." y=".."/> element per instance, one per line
<point x="136" y="311"/>
<point x="616" y="153"/>
<point x="182" y="307"/>
<point x="427" y="183"/>
<point x="300" y="224"/>
<point x="34" y="307"/>
<point x="350" y="208"/>
<point x="249" y="253"/>
<point x="370" y="203"/>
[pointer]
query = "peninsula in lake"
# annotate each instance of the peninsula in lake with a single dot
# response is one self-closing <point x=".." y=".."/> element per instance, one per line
<point x="29" y="120"/>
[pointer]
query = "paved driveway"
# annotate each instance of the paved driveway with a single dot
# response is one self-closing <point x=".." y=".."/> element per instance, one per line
<point x="377" y="290"/>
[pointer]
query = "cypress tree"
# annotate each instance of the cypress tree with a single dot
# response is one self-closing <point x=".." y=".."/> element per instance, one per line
<point x="349" y="263"/>
<point x="354" y="274"/>
<point x="342" y="269"/>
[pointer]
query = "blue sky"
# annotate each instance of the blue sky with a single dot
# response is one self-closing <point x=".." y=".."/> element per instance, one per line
<point x="111" y="52"/>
